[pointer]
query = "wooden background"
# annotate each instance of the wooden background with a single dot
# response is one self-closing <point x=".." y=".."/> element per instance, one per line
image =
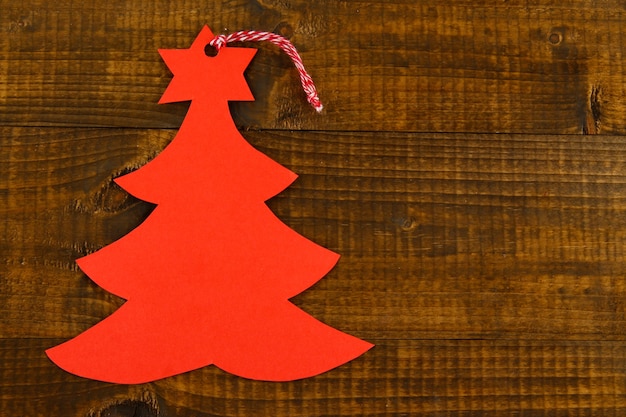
<point x="470" y="167"/>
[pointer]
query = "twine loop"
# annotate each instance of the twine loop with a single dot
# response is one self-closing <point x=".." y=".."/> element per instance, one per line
<point x="219" y="41"/>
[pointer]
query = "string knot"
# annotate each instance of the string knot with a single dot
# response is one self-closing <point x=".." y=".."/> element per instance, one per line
<point x="308" y="86"/>
<point x="218" y="42"/>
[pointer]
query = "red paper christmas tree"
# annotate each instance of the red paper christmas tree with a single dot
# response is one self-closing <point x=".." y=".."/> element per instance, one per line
<point x="207" y="276"/>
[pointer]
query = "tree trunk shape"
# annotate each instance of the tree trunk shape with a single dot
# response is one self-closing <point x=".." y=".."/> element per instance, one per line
<point x="207" y="276"/>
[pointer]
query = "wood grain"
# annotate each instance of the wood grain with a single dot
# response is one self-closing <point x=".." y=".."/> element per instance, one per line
<point x="452" y="66"/>
<point x="397" y="378"/>
<point x="470" y="168"/>
<point x="486" y="268"/>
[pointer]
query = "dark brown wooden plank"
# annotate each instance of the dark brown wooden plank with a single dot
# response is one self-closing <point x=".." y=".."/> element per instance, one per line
<point x="442" y="236"/>
<point x="396" y="378"/>
<point x="455" y="66"/>
<point x="487" y="268"/>
<point x="30" y="385"/>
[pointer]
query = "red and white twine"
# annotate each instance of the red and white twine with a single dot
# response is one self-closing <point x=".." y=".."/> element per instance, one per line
<point x="255" y="36"/>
